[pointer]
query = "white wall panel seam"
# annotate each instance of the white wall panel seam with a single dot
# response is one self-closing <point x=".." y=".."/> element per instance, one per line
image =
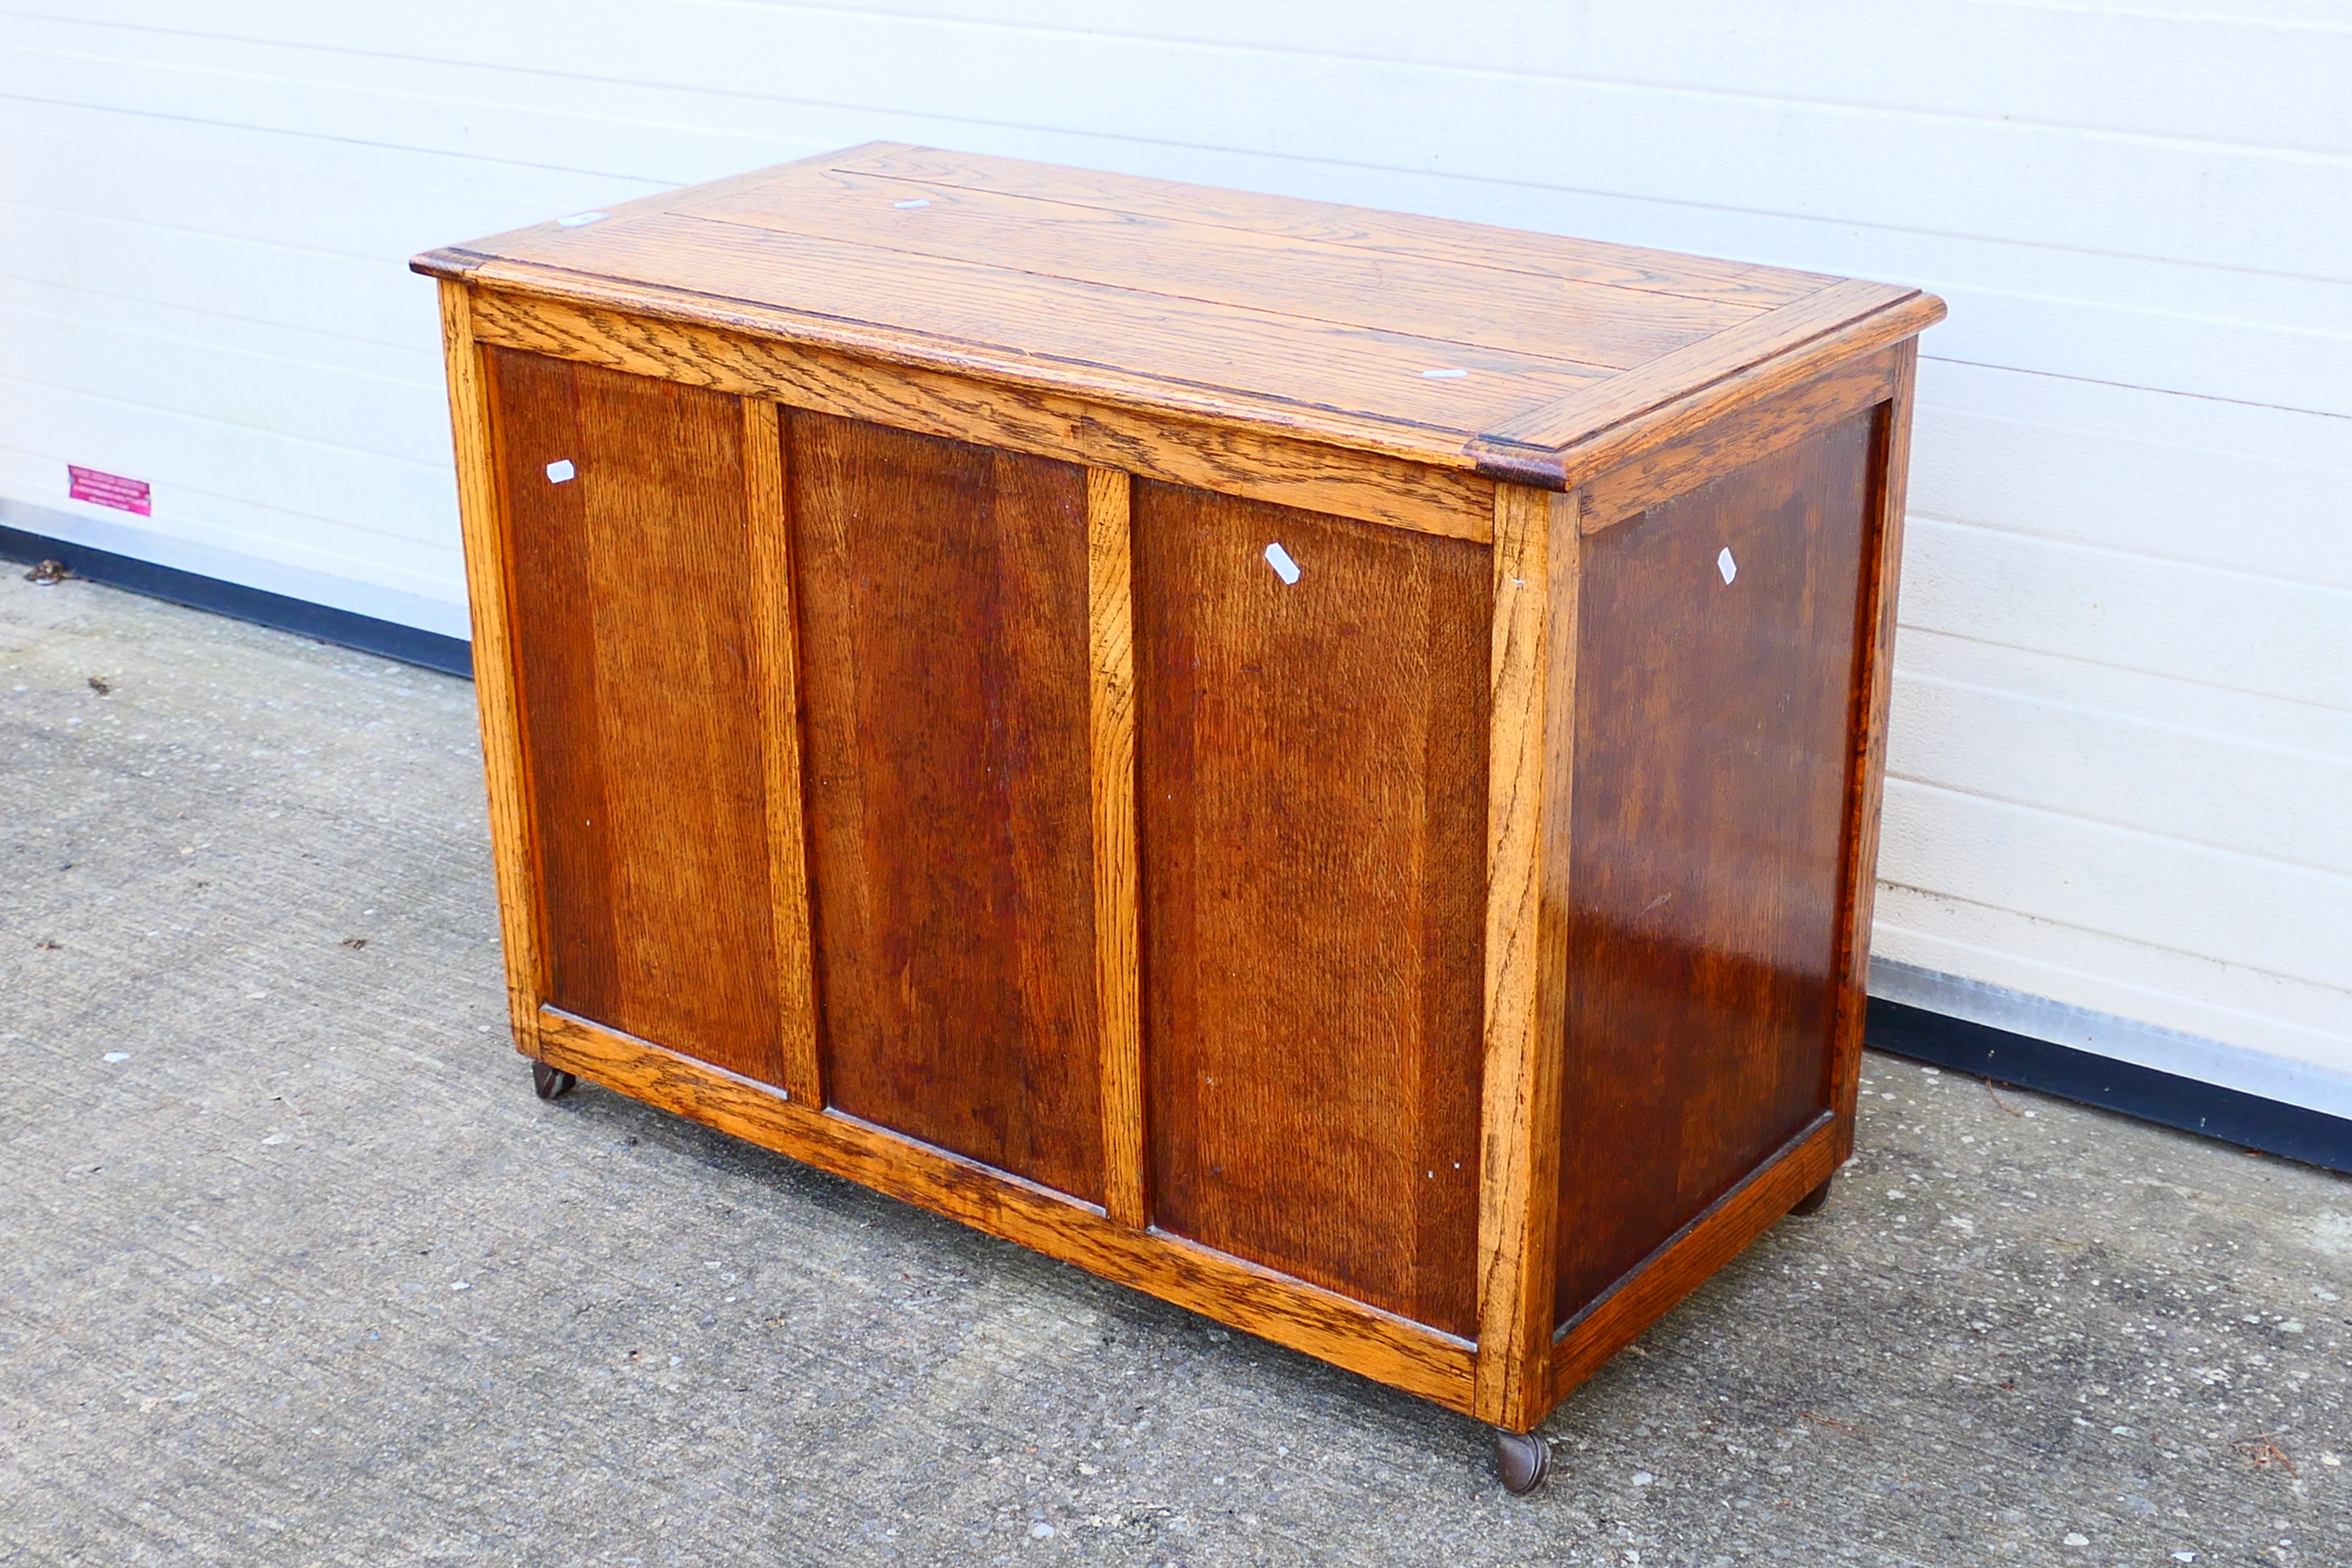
<point x="2170" y="949"/>
<point x="2248" y="858"/>
<point x="375" y="263"/>
<point x="1892" y="109"/>
<point x="2139" y="721"/>
<point x="1898" y="929"/>
<point x="2065" y="542"/>
<point x="2224" y="687"/>
<point x="152" y="303"/>
<point x="2157" y="890"/>
<point x="2090" y="969"/>
<point x="476" y="103"/>
<point x="2124" y="386"/>
<point x="1095" y="28"/>
<point x="417" y="385"/>
<point x="2252" y="217"/>
<point x="458" y="161"/>
<point x="8" y="377"/>
<point x="257" y="129"/>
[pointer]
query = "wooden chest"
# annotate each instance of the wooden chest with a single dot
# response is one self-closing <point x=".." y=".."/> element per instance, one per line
<point x="1319" y="764"/>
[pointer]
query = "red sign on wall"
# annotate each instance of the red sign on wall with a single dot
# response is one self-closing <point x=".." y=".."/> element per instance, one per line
<point x="108" y="490"/>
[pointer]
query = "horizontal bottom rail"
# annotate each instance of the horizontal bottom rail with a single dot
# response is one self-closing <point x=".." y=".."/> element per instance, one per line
<point x="1307" y="1318"/>
<point x="1684" y="1260"/>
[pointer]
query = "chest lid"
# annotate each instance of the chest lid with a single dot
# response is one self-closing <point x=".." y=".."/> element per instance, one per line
<point x="1526" y="356"/>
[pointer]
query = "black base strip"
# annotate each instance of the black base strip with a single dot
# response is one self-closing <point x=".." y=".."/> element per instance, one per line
<point x="386" y="639"/>
<point x="2232" y="1115"/>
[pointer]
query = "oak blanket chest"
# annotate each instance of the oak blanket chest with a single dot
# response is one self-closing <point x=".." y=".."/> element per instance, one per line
<point x="1319" y="764"/>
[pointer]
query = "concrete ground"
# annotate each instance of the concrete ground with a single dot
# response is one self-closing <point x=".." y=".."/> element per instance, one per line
<point x="298" y="1271"/>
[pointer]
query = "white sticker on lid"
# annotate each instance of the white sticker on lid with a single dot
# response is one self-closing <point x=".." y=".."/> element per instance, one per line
<point x="580" y="220"/>
<point x="1451" y="372"/>
<point x="560" y="471"/>
<point x="1284" y="566"/>
<point x="1727" y="566"/>
<point x="917" y="202"/>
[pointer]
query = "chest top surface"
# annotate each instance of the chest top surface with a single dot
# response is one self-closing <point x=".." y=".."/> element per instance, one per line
<point x="1457" y="343"/>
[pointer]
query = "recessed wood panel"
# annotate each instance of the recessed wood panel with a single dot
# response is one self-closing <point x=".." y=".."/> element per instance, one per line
<point x="1312" y="798"/>
<point x="1712" y="749"/>
<point x="630" y="582"/>
<point x="944" y="645"/>
<point x="1316" y="762"/>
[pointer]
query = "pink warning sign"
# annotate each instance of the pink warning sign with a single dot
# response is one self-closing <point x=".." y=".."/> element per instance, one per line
<point x="108" y="490"/>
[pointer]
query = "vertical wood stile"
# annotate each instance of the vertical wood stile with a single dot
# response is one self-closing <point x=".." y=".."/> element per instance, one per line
<point x="1873" y="684"/>
<point x="1110" y="618"/>
<point x="1535" y="549"/>
<point x="775" y="654"/>
<point x="496" y="692"/>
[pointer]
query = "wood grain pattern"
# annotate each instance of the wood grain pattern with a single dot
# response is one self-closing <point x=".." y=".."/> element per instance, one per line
<point x="1257" y="1300"/>
<point x="775" y="657"/>
<point x="1311" y="766"/>
<point x="1033" y="701"/>
<point x="513" y="858"/>
<point x="1012" y="314"/>
<point x="1519" y="313"/>
<point x="944" y="629"/>
<point x="1711" y="794"/>
<point x="1754" y="430"/>
<point x="1475" y="248"/>
<point x="1548" y="361"/>
<point x="641" y="709"/>
<point x="459" y="263"/>
<point x="1872" y="686"/>
<point x="1587" y="434"/>
<point x="1115" y="386"/>
<point x="1693" y="366"/>
<point x="1518" y="1125"/>
<point x="1680" y="1263"/>
<point x="1110" y="622"/>
<point x="1420" y="491"/>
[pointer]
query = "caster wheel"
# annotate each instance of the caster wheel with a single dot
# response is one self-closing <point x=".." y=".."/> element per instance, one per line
<point x="1522" y="1460"/>
<point x="553" y="1083"/>
<point x="1812" y="1201"/>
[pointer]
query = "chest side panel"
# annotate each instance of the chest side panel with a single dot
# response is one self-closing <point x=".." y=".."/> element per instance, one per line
<point x="942" y="594"/>
<point x="1715" y="673"/>
<point x="1311" y="802"/>
<point x="629" y="569"/>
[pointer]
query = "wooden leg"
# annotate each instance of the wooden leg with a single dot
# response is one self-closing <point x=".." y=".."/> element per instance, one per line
<point x="1812" y="1201"/>
<point x="1522" y="1459"/>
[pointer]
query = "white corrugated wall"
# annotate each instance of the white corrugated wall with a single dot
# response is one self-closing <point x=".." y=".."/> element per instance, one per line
<point x="2122" y="755"/>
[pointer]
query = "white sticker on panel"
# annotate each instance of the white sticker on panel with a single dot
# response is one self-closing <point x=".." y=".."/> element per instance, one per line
<point x="1284" y="566"/>
<point x="1727" y="566"/>
<point x="910" y="205"/>
<point x="560" y="471"/>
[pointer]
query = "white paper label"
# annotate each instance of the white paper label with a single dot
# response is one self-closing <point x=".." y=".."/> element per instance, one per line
<point x="917" y="201"/>
<point x="580" y="220"/>
<point x="1451" y="372"/>
<point x="1727" y="566"/>
<point x="560" y="471"/>
<point x="1284" y="566"/>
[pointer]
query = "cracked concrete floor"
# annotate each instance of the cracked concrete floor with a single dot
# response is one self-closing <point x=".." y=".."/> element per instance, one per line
<point x="297" y="1270"/>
